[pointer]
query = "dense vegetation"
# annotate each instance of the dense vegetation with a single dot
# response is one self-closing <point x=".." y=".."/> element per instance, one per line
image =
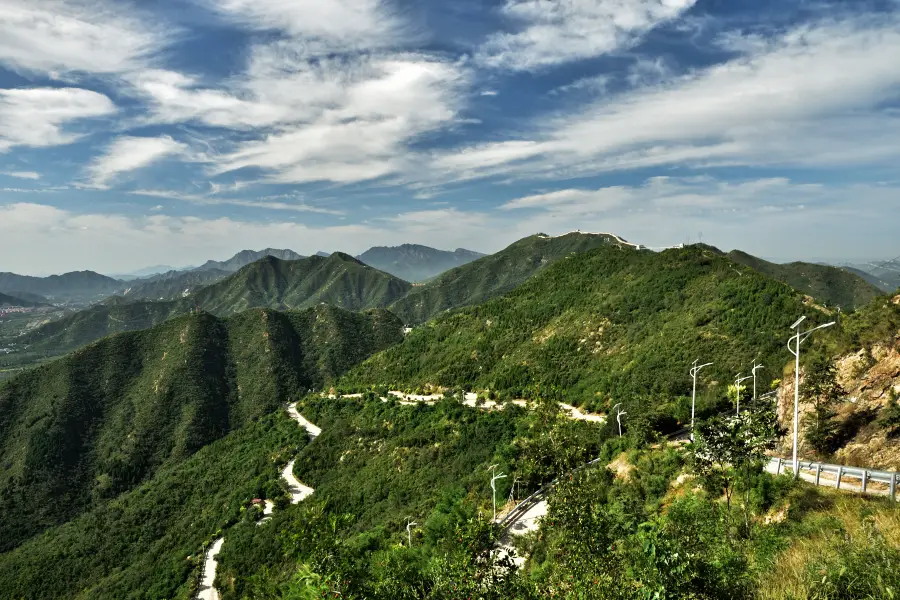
<point x="338" y="280"/>
<point x="609" y="323"/>
<point x="829" y="285"/>
<point x="412" y="262"/>
<point x="172" y="285"/>
<point x="148" y="542"/>
<point x="492" y="275"/>
<point x="96" y="423"/>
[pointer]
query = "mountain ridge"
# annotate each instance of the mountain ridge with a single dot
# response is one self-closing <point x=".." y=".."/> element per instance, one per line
<point x="415" y="262"/>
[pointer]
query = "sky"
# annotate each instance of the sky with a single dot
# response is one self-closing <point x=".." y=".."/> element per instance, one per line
<point x="176" y="131"/>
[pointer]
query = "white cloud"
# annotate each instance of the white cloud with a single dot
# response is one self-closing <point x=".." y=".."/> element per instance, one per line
<point x="53" y="36"/>
<point x="323" y="25"/>
<point x="129" y="153"/>
<point x="558" y="31"/>
<point x="268" y="203"/>
<point x="359" y="128"/>
<point x="37" y="116"/>
<point x="813" y="97"/>
<point x="22" y="174"/>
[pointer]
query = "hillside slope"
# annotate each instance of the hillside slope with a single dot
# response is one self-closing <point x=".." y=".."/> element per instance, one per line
<point x="492" y="275"/>
<point x="97" y="422"/>
<point x="413" y="262"/>
<point x="172" y="284"/>
<point x="601" y="324"/>
<point x="76" y="287"/>
<point x="829" y="285"/>
<point x="10" y="300"/>
<point x="338" y="280"/>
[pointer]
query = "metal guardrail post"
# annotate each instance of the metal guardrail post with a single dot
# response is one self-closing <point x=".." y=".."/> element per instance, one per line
<point x="837" y="485"/>
<point x="893" y="487"/>
<point x="865" y="480"/>
<point x="778" y="468"/>
<point x="818" y="472"/>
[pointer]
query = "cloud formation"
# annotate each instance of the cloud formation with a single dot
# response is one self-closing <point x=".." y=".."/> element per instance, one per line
<point x="38" y="116"/>
<point x="58" y="37"/>
<point x="552" y="32"/>
<point x="129" y="153"/>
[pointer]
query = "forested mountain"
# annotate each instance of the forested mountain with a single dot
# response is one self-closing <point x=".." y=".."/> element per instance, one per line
<point x="828" y="285"/>
<point x="245" y="257"/>
<point x="604" y="323"/>
<point x="413" y="262"/>
<point x="493" y="275"/>
<point x="172" y="284"/>
<point x="87" y="427"/>
<point x="10" y="300"/>
<point x="339" y="280"/>
<point x="75" y="287"/>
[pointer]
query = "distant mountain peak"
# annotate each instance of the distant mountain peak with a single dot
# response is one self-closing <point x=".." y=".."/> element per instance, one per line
<point x="415" y="262"/>
<point x="245" y="257"/>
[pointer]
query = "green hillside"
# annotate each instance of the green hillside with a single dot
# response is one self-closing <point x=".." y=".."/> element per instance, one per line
<point x="492" y="275"/>
<point x="10" y="300"/>
<point x="172" y="285"/>
<point x="339" y="280"/>
<point x="87" y="427"/>
<point x="603" y="323"/>
<point x="828" y="285"/>
<point x="137" y="545"/>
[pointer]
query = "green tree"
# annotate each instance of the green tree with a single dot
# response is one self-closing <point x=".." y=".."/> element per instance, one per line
<point x="823" y="391"/>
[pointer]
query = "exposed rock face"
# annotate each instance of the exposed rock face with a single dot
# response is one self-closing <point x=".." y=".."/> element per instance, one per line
<point x="870" y="378"/>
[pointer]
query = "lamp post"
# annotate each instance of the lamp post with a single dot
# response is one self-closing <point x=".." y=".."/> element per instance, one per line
<point x="737" y="383"/>
<point x="800" y="337"/>
<point x="409" y="525"/>
<point x="494" y="478"/>
<point x="695" y="370"/>
<point x="756" y="368"/>
<point x="619" y="414"/>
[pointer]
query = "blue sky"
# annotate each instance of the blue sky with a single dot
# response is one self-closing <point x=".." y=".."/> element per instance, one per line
<point x="173" y="131"/>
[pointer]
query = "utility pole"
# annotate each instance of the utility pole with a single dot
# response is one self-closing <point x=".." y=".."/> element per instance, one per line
<point x="619" y="414"/>
<point x="695" y="370"/>
<point x="800" y="337"/>
<point x="738" y="383"/>
<point x="756" y="367"/>
<point x="409" y="525"/>
<point x="494" y="478"/>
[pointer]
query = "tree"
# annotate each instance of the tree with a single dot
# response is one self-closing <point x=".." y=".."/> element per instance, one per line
<point x="732" y="449"/>
<point x="823" y="391"/>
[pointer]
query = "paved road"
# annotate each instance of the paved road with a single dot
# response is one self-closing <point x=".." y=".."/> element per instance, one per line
<point x="299" y="492"/>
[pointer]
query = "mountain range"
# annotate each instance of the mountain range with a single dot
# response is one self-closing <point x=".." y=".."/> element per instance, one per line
<point x="76" y="287"/>
<point x="415" y="263"/>
<point x="9" y="300"/>
<point x="344" y="281"/>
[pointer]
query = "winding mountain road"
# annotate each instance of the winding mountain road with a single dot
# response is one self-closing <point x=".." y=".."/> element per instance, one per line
<point x="298" y="491"/>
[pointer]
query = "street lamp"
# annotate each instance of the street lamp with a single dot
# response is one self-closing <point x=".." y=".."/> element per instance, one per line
<point x="619" y="414"/>
<point x="756" y="368"/>
<point x="695" y="370"/>
<point x="494" y="478"/>
<point x="737" y="383"/>
<point x="409" y="525"/>
<point x="800" y="337"/>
